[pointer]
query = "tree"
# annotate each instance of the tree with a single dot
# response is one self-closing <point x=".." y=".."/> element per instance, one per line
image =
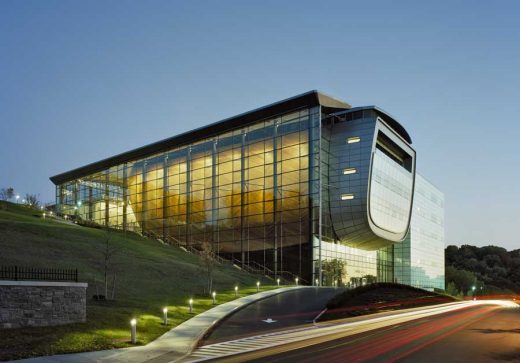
<point x="451" y="289"/>
<point x="32" y="200"/>
<point x="207" y="263"/>
<point x="462" y="279"/>
<point x="108" y="252"/>
<point x="333" y="271"/>
<point x="6" y="193"/>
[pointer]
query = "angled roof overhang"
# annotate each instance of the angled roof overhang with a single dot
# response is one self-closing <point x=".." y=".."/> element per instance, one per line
<point x="304" y="100"/>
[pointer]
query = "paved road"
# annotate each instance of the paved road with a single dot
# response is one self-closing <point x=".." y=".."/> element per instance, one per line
<point x="476" y="334"/>
<point x="293" y="308"/>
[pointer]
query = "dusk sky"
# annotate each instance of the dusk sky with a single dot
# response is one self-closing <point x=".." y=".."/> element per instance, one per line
<point x="84" y="80"/>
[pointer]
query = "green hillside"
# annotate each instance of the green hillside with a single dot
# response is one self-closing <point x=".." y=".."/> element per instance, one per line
<point x="148" y="275"/>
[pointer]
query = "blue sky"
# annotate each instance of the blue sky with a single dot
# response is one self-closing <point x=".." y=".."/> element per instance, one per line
<point x="83" y="80"/>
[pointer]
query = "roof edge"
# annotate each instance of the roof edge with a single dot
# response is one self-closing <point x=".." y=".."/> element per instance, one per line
<point x="307" y="99"/>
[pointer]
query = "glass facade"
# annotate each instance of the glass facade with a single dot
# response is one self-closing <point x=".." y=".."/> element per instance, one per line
<point x="391" y="187"/>
<point x="278" y="194"/>
<point x="248" y="192"/>
<point x="419" y="259"/>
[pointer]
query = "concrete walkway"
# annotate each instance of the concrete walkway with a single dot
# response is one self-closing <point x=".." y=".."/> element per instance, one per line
<point x="169" y="347"/>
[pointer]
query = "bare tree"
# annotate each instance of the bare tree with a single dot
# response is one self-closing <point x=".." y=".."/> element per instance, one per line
<point x="32" y="200"/>
<point x="108" y="252"/>
<point x="6" y="193"/>
<point x="207" y="263"/>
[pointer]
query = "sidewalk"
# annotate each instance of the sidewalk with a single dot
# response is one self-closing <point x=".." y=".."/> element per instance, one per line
<point x="169" y="347"/>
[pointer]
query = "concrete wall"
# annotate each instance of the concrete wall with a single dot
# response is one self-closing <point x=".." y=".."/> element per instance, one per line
<point x="41" y="303"/>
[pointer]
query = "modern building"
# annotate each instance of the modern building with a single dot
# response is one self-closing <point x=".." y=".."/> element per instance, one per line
<point x="283" y="188"/>
<point x="419" y="259"/>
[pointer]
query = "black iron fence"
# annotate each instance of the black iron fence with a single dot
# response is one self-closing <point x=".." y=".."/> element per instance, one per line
<point x="38" y="274"/>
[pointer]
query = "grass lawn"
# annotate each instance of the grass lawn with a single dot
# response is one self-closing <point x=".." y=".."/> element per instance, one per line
<point x="149" y="277"/>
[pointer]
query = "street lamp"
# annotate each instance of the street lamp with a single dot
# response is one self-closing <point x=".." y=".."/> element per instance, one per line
<point x="257" y="286"/>
<point x="236" y="291"/>
<point x="190" y="302"/>
<point x="473" y="289"/>
<point x="278" y="281"/>
<point x="214" y="295"/>
<point x="17" y="197"/>
<point x="296" y="281"/>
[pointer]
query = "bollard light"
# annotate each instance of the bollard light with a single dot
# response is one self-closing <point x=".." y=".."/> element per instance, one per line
<point x="133" y="332"/>
<point x="257" y="286"/>
<point x="278" y="281"/>
<point x="214" y="295"/>
<point x="191" y="305"/>
<point x="165" y="316"/>
<point x="236" y="291"/>
<point x="296" y="281"/>
<point x="317" y="282"/>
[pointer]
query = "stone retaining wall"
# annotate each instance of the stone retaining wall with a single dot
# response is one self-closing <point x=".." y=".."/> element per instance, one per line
<point x="41" y="303"/>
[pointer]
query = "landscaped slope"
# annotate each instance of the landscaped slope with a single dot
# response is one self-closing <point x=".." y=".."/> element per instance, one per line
<point x="380" y="297"/>
<point x="148" y="277"/>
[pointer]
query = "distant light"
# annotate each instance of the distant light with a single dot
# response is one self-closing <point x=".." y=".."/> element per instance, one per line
<point x="165" y="310"/>
<point x="17" y="197"/>
<point x="347" y="196"/>
<point x="258" y="283"/>
<point x="75" y="208"/>
<point x="133" y="322"/>
<point x="353" y="140"/>
<point x="348" y="171"/>
<point x="79" y="203"/>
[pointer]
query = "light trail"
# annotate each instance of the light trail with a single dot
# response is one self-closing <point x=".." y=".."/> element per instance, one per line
<point x="284" y="341"/>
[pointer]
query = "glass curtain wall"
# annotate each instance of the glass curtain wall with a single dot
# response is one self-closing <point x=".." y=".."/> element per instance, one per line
<point x="248" y="192"/>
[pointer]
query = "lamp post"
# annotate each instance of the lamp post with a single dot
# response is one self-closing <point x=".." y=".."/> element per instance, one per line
<point x="278" y="282"/>
<point x="17" y="198"/>
<point x="165" y="316"/>
<point x="257" y="286"/>
<point x="190" y="302"/>
<point x="473" y="289"/>
<point x="133" y="331"/>
<point x="214" y="295"/>
<point x="296" y="281"/>
<point x="317" y="282"/>
<point x="236" y="291"/>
